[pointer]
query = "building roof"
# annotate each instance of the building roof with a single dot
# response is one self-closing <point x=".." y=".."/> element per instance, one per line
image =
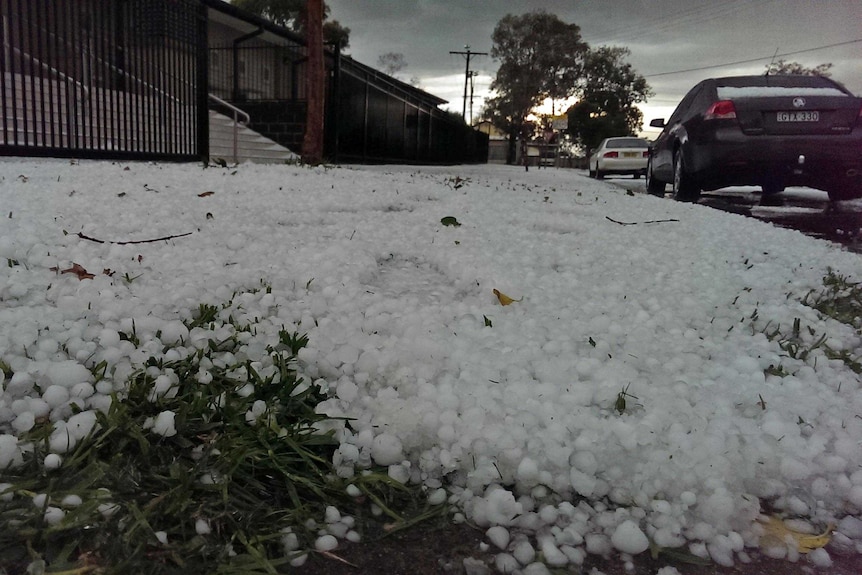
<point x="246" y="23"/>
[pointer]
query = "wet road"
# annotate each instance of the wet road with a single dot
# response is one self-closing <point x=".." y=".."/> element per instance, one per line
<point x="803" y="209"/>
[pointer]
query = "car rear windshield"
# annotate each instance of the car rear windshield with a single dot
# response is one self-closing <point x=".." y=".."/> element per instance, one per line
<point x="733" y="92"/>
<point x="627" y="143"/>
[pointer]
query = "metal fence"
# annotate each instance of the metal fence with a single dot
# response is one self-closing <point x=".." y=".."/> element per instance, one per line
<point x="378" y="120"/>
<point x="92" y="78"/>
<point x="257" y="70"/>
<point x="370" y="117"/>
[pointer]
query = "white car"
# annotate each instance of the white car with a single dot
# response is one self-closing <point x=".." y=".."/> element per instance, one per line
<point x="625" y="155"/>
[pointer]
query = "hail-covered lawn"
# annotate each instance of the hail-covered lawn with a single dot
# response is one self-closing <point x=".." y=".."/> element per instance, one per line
<point x="663" y="375"/>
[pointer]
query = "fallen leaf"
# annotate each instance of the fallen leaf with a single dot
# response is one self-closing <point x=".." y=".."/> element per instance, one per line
<point x="450" y="221"/>
<point x="78" y="271"/>
<point x="205" y="194"/>
<point x="504" y="299"/>
<point x="776" y="532"/>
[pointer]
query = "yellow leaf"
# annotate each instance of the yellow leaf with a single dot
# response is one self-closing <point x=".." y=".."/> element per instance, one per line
<point x="776" y="532"/>
<point x="504" y="299"/>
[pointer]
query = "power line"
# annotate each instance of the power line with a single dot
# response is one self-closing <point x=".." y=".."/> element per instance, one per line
<point x="750" y="60"/>
<point x="687" y="17"/>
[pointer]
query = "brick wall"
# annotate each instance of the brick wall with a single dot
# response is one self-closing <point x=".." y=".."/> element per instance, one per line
<point x="282" y="121"/>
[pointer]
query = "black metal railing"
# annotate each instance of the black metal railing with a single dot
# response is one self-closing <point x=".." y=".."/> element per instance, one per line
<point x="379" y="120"/>
<point x="88" y="78"/>
<point x="256" y="70"/>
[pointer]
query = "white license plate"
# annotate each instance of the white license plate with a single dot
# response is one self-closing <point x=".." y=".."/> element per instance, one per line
<point x="630" y="154"/>
<point x="813" y="116"/>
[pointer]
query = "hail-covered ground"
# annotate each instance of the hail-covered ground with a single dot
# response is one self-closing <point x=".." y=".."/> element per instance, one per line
<point x="656" y="378"/>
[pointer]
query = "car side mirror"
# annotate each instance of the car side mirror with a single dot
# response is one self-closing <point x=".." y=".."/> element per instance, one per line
<point x="657" y="123"/>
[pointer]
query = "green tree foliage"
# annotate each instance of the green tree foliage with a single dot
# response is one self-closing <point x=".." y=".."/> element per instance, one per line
<point x="287" y="13"/>
<point x="291" y="15"/>
<point x="797" y="69"/>
<point x="610" y="90"/>
<point x="336" y="34"/>
<point x="540" y="57"/>
<point x="391" y="63"/>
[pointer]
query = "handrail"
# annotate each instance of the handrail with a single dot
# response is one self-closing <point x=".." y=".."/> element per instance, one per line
<point x="114" y="68"/>
<point x="57" y="73"/>
<point x="237" y="113"/>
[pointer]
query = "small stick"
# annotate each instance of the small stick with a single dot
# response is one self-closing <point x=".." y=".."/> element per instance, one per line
<point x="636" y="223"/>
<point x="337" y="558"/>
<point x="98" y="241"/>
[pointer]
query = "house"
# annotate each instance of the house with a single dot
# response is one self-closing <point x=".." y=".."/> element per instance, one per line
<point x="146" y="79"/>
<point x="498" y="142"/>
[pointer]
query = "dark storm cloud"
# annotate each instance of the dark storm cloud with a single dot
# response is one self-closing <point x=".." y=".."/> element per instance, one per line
<point x="663" y="35"/>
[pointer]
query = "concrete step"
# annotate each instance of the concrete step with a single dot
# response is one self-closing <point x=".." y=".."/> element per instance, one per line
<point x="41" y="116"/>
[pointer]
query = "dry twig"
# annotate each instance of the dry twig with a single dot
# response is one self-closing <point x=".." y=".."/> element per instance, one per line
<point x="636" y="223"/>
<point x="98" y="241"/>
<point x="330" y="555"/>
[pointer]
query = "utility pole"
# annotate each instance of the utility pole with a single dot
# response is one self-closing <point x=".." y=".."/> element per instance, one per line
<point x="312" y="143"/>
<point x="467" y="53"/>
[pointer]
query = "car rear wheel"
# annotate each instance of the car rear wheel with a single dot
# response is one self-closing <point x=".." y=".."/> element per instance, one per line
<point x="771" y="188"/>
<point x="684" y="187"/>
<point x="846" y="192"/>
<point x="653" y="186"/>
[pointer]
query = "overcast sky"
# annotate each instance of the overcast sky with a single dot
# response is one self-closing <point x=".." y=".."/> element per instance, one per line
<point x="665" y="36"/>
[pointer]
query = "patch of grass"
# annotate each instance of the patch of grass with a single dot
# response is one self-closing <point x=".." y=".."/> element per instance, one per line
<point x="839" y="299"/>
<point x="620" y="403"/>
<point x="247" y="464"/>
<point x="456" y="182"/>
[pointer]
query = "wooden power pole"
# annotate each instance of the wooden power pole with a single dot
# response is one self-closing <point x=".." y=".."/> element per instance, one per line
<point x="467" y="53"/>
<point x="312" y="143"/>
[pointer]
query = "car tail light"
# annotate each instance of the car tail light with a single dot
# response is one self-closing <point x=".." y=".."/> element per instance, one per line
<point x="721" y="110"/>
<point x="611" y="155"/>
<point x="646" y="154"/>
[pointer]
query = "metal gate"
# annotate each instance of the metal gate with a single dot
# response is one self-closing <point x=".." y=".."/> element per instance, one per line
<point x="122" y="79"/>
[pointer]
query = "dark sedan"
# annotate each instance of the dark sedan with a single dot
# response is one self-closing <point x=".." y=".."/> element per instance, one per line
<point x="767" y="131"/>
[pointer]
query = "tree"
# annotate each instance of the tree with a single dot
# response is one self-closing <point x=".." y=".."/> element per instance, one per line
<point x="391" y="63"/>
<point x="540" y="57"/>
<point x="610" y="89"/>
<point x="797" y="69"/>
<point x="336" y="34"/>
<point x="291" y="15"/>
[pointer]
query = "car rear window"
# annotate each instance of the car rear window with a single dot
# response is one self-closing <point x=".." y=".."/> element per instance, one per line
<point x="733" y="92"/>
<point x="627" y="143"/>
